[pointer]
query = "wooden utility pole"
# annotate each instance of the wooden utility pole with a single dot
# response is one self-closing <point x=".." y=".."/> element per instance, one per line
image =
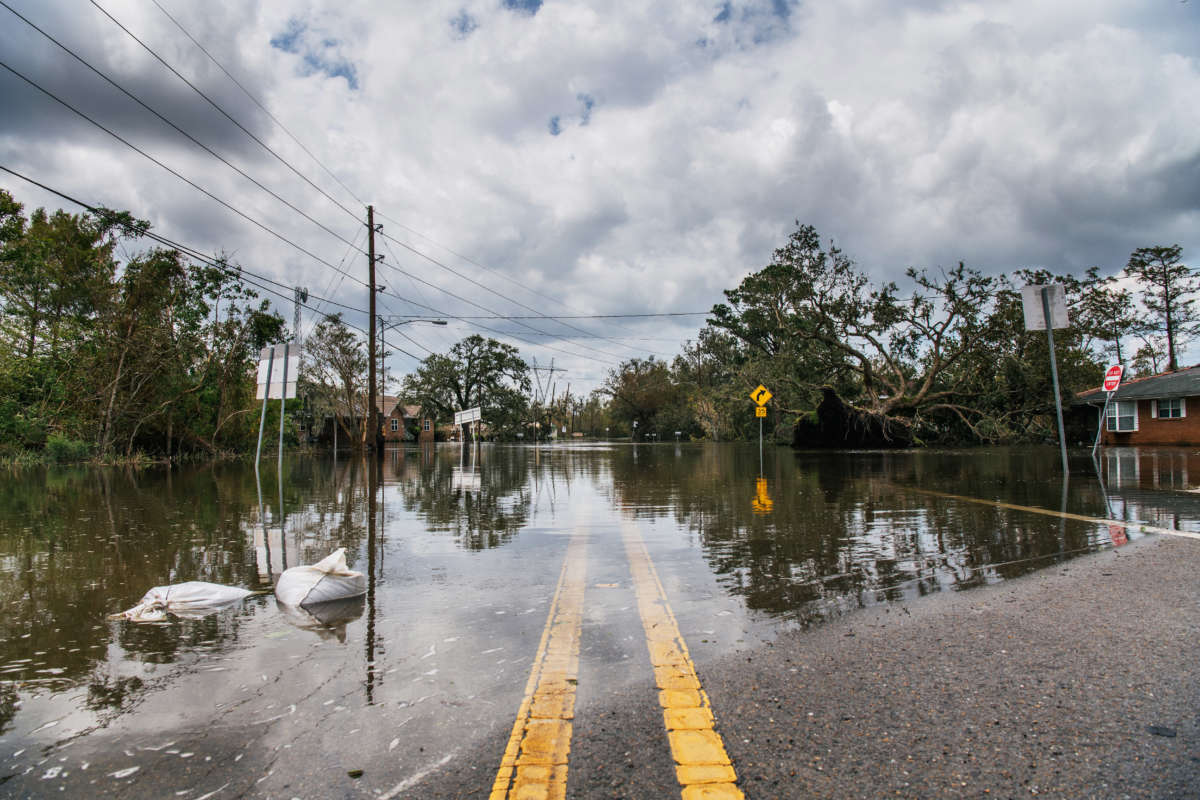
<point x="372" y="426"/>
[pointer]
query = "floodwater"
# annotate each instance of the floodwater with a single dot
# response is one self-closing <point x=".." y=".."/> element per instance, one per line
<point x="462" y="552"/>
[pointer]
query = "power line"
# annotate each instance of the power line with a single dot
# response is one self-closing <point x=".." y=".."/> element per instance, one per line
<point x="441" y="313"/>
<point x="180" y="130"/>
<point x="222" y="111"/>
<point x="254" y="100"/>
<point x="593" y="316"/>
<point x="476" y="283"/>
<point x="470" y="260"/>
<point x="194" y="253"/>
<point x="189" y="182"/>
<point x="458" y="274"/>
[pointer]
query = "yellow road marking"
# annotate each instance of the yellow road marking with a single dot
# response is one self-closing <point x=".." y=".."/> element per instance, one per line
<point x="534" y="765"/>
<point x="1132" y="526"/>
<point x="701" y="763"/>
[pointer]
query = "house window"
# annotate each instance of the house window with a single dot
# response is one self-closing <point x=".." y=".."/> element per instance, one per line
<point x="426" y="425"/>
<point x="1169" y="409"/>
<point x="1122" y="416"/>
<point x="395" y="424"/>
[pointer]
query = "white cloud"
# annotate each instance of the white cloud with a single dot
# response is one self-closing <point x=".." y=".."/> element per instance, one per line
<point x="690" y="139"/>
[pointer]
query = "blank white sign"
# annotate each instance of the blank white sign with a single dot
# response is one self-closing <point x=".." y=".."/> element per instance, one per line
<point x="277" y="387"/>
<point x="1035" y="317"/>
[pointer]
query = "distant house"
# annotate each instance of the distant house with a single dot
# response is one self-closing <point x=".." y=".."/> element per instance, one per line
<point x="394" y="414"/>
<point x="1158" y="409"/>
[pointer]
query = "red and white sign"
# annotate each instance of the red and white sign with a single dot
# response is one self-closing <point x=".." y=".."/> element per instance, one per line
<point x="1112" y="378"/>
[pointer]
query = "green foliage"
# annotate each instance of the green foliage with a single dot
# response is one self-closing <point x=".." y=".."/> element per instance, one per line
<point x="1168" y="289"/>
<point x="148" y="356"/>
<point x="62" y="450"/>
<point x="477" y="372"/>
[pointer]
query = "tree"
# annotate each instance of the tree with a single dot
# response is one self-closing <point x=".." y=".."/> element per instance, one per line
<point x="113" y="355"/>
<point x="644" y="392"/>
<point x="477" y="372"/>
<point x="813" y="315"/>
<point x="1107" y="312"/>
<point x="1167" y="286"/>
<point x="336" y="370"/>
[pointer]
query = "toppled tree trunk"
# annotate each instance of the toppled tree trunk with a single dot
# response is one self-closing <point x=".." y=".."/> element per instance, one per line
<point x="837" y="425"/>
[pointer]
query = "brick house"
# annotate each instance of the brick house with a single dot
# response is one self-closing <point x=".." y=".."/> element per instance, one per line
<point x="1156" y="410"/>
<point x="394" y="414"/>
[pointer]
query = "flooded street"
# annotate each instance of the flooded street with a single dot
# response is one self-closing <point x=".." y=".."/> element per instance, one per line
<point x="499" y="582"/>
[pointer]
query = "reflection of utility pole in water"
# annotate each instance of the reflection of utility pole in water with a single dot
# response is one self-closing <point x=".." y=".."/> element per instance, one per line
<point x="372" y="577"/>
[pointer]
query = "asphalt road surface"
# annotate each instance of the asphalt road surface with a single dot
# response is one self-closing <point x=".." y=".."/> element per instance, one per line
<point x="1079" y="680"/>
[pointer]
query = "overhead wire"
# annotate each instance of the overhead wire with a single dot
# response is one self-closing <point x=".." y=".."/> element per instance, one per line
<point x="261" y="281"/>
<point x="224" y="113"/>
<point x="442" y="313"/>
<point x="592" y="316"/>
<point x="518" y="303"/>
<point x="221" y="110"/>
<point x="341" y="276"/>
<point x="476" y="283"/>
<point x="256" y="102"/>
<point x="178" y="175"/>
<point x="556" y="301"/>
<point x="168" y="122"/>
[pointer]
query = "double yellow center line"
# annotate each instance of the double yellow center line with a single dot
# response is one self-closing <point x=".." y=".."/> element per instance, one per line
<point x="534" y="764"/>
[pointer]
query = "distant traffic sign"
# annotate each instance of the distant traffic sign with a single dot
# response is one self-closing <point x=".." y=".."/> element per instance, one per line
<point x="761" y="395"/>
<point x="1112" y="378"/>
<point x="761" y="411"/>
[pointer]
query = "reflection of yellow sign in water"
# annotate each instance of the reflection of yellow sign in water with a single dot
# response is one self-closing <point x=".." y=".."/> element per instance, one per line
<point x="760" y="411"/>
<point x="761" y="395"/>
<point x="762" y="501"/>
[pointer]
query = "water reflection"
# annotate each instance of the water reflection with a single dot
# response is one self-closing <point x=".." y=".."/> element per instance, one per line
<point x="480" y="496"/>
<point x="801" y="538"/>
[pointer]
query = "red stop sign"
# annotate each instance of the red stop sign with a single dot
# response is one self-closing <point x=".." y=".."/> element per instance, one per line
<point x="1112" y="378"/>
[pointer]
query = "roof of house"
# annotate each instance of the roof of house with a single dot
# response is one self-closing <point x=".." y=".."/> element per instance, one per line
<point x="388" y="403"/>
<point x="1181" y="383"/>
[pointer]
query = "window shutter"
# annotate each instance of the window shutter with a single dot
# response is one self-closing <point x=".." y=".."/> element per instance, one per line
<point x="1183" y="407"/>
<point x="1153" y="409"/>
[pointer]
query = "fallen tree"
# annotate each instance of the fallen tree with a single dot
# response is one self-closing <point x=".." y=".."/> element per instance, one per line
<point x="835" y="424"/>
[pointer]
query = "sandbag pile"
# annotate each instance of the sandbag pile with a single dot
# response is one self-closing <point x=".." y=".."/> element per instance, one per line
<point x="325" y="595"/>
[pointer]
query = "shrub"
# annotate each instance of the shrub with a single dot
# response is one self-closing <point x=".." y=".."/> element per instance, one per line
<point x="62" y="450"/>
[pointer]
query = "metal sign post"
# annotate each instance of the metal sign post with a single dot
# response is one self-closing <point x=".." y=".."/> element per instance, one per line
<point x="282" y="404"/>
<point x="267" y="359"/>
<point x="760" y="396"/>
<point x="466" y="418"/>
<point x="262" y="419"/>
<point x="1112" y="379"/>
<point x="1046" y="308"/>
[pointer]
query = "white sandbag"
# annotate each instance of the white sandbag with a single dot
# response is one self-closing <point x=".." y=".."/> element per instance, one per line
<point x="329" y="579"/>
<point x="190" y="600"/>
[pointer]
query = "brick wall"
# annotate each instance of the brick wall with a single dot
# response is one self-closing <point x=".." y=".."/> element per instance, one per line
<point x="1182" y="431"/>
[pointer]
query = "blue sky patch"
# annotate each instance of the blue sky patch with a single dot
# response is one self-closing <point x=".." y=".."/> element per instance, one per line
<point x="463" y="24"/>
<point x="555" y="126"/>
<point x="529" y="7"/>
<point x="588" y="102"/>
<point x="289" y="40"/>
<point x="318" y="54"/>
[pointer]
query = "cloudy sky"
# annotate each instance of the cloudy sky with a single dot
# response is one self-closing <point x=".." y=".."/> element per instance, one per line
<point x="575" y="158"/>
